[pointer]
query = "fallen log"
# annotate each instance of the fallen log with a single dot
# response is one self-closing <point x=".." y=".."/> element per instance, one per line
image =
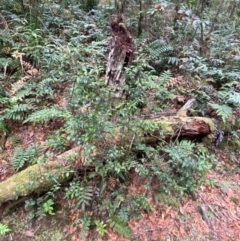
<point x="38" y="177"/>
<point x="59" y="169"/>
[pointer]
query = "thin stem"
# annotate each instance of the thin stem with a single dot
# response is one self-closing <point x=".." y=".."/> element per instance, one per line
<point x="214" y="20"/>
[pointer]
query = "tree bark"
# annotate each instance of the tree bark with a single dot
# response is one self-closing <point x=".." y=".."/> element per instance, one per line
<point x="121" y="54"/>
<point x="38" y="178"/>
<point x="3" y="23"/>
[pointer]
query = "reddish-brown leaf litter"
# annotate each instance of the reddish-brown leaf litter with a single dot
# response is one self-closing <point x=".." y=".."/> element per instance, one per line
<point x="221" y="204"/>
<point x="21" y="136"/>
<point x="214" y="214"/>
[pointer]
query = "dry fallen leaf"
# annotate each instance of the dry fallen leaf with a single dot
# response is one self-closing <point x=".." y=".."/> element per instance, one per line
<point x="182" y="231"/>
<point x="29" y="233"/>
<point x="168" y="209"/>
<point x="181" y="210"/>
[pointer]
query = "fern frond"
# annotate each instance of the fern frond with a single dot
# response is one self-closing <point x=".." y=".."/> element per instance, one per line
<point x="231" y="97"/>
<point x="181" y="150"/>
<point x="119" y="227"/>
<point x="86" y="222"/>
<point x="222" y="111"/>
<point x="44" y="115"/>
<point x="22" y="156"/>
<point x="160" y="43"/>
<point x="85" y="196"/>
<point x="234" y="98"/>
<point x="5" y="101"/>
<point x="174" y="81"/>
<point x="22" y="93"/>
<point x="46" y="83"/>
<point x="18" y="85"/>
<point x="17" y="111"/>
<point x="159" y="51"/>
<point x="83" y="193"/>
<point x="123" y="215"/>
<point x="4" y="229"/>
<point x="14" y="140"/>
<point x="3" y="126"/>
<point x="165" y="77"/>
<point x="6" y="38"/>
<point x="173" y="60"/>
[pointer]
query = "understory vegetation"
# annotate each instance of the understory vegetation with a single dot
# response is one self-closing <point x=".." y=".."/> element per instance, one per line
<point x="53" y="57"/>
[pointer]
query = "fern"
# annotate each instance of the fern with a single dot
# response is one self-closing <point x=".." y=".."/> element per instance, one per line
<point x="44" y="115"/>
<point x="4" y="229"/>
<point x="17" y="111"/>
<point x="158" y="51"/>
<point x="85" y="196"/>
<point x="6" y="38"/>
<point x="14" y="140"/>
<point x="82" y="193"/>
<point x="231" y="97"/>
<point x="189" y="163"/>
<point x="173" y="60"/>
<point x="123" y="215"/>
<point x="101" y="227"/>
<point x="3" y="127"/>
<point x="5" y="100"/>
<point x="119" y="227"/>
<point x="86" y="222"/>
<point x="181" y="150"/>
<point x="234" y="98"/>
<point x="222" y="111"/>
<point x="164" y="77"/>
<point x="22" y="157"/>
<point x="23" y="93"/>
<point x="160" y="46"/>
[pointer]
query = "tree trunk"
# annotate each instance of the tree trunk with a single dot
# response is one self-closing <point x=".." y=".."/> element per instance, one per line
<point x="58" y="169"/>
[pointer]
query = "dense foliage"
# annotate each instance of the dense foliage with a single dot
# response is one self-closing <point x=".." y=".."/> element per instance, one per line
<point x="53" y="56"/>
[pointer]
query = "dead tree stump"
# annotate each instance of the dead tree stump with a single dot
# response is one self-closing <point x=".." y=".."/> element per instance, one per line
<point x="120" y="56"/>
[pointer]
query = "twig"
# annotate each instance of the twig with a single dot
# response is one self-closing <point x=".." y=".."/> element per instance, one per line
<point x="130" y="146"/>
<point x="205" y="216"/>
<point x="154" y="116"/>
<point x="215" y="17"/>
<point x="179" y="132"/>
<point x="208" y="206"/>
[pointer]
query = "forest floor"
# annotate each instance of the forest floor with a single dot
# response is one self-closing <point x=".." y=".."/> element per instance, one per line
<point x="213" y="214"/>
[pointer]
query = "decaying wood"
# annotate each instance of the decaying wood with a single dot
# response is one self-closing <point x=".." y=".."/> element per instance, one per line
<point x="38" y="178"/>
<point x="205" y="217"/>
<point x="3" y="23"/>
<point x="121" y="53"/>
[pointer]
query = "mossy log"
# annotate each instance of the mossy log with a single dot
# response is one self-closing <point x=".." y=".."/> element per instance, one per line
<point x="59" y="169"/>
<point x="38" y="178"/>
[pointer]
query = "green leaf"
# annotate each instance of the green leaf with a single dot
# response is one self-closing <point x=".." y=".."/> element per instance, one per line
<point x="4" y="229"/>
<point x="3" y="126"/>
<point x="222" y="111"/>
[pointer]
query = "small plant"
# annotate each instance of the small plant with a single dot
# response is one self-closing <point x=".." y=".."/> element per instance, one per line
<point x="4" y="229"/>
<point x="57" y="142"/>
<point x="83" y="193"/>
<point x="141" y="202"/>
<point x="86" y="222"/>
<point x="119" y="226"/>
<point x="23" y="157"/>
<point x="47" y="207"/>
<point x="101" y="227"/>
<point x="43" y="205"/>
<point x="222" y="111"/>
<point x="189" y="163"/>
